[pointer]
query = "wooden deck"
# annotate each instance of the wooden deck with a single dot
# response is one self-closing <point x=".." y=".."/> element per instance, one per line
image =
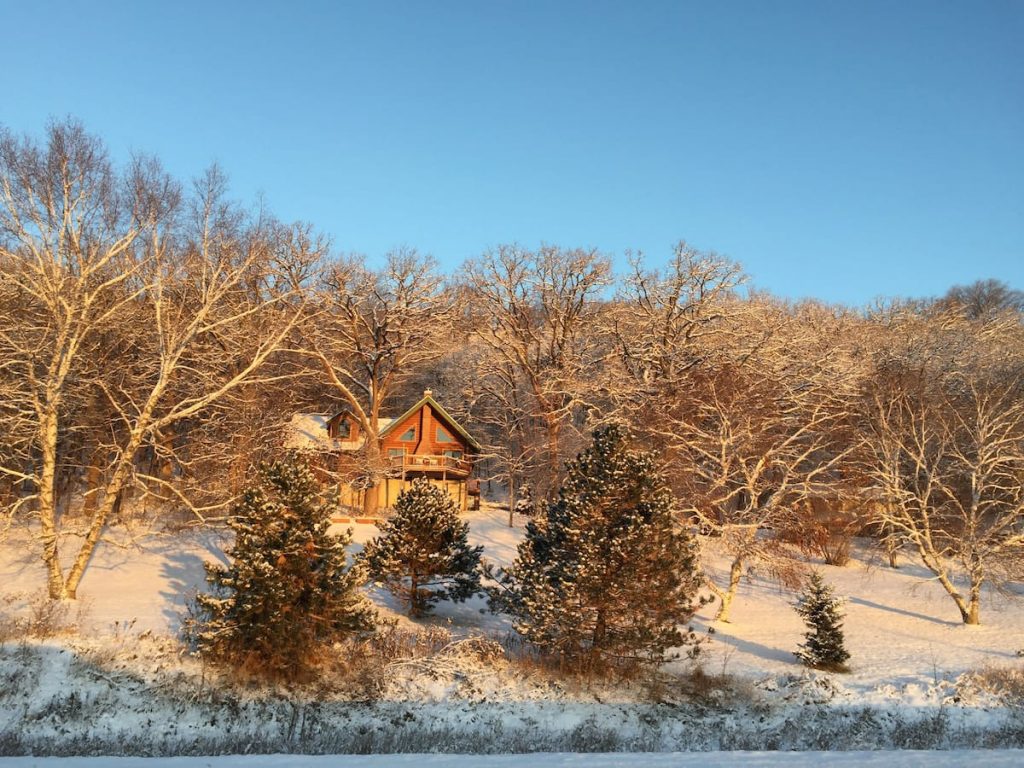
<point x="431" y="464"/>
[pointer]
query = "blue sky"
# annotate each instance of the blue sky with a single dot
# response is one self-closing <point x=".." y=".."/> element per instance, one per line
<point x="843" y="150"/>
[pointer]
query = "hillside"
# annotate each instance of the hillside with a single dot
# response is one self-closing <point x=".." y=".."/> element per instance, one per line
<point x="122" y="679"/>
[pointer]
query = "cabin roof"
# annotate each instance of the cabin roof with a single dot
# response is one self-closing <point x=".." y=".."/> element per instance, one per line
<point x="308" y="431"/>
<point x="428" y="398"/>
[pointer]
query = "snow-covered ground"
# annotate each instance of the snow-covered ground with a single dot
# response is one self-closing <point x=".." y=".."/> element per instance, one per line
<point x="121" y="678"/>
<point x="903" y="759"/>
<point x="902" y="630"/>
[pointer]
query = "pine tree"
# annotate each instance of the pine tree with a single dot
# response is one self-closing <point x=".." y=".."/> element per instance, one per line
<point x="287" y="592"/>
<point x="423" y="554"/>
<point x="821" y="611"/>
<point x="604" y="576"/>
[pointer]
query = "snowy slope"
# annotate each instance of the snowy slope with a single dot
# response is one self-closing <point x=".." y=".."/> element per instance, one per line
<point x="120" y="683"/>
<point x="902" y="630"/>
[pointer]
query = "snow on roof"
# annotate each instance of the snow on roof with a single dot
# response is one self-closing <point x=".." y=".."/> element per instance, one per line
<point x="308" y="432"/>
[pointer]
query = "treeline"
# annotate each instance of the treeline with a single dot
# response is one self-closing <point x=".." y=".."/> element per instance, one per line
<point x="156" y="337"/>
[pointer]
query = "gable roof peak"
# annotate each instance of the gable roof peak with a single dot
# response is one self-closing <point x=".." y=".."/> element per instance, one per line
<point x="428" y="397"/>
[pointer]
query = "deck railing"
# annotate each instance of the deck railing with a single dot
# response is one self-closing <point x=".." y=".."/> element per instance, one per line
<point x="414" y="462"/>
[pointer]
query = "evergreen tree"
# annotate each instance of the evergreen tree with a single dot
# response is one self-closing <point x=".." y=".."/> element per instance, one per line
<point x="423" y="554"/>
<point x="287" y="592"/>
<point x="821" y="611"/>
<point x="604" y="576"/>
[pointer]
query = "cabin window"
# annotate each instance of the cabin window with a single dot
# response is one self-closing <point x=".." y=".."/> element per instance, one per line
<point x="409" y="435"/>
<point x="444" y="437"/>
<point x="343" y="430"/>
<point x="395" y="452"/>
<point x="453" y="454"/>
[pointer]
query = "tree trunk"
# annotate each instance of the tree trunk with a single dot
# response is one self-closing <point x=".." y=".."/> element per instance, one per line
<point x="511" y="498"/>
<point x="933" y="564"/>
<point x="598" y="639"/>
<point x="973" y="616"/>
<point x="47" y="507"/>
<point x="414" y="594"/>
<point x="93" y="479"/>
<point x="373" y="465"/>
<point x="554" y="434"/>
<point x="370" y="500"/>
<point x="111" y="499"/>
<point x="735" y="574"/>
<point x="892" y="552"/>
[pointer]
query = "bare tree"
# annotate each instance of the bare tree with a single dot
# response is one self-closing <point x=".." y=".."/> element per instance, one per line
<point x="492" y="396"/>
<point x="535" y="313"/>
<point x="372" y="329"/>
<point x="945" y="448"/>
<point x="983" y="299"/>
<point x="755" y="433"/>
<point x="90" y="252"/>
<point x="666" y="322"/>
<point x="753" y="451"/>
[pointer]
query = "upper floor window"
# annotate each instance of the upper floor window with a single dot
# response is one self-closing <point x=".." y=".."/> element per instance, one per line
<point x="444" y="437"/>
<point x="409" y="435"/>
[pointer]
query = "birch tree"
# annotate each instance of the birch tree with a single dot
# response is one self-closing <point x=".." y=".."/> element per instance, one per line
<point x="87" y="249"/>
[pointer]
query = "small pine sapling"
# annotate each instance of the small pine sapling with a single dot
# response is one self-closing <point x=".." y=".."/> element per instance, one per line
<point x="287" y="592"/>
<point x="605" y="575"/>
<point x="524" y="504"/>
<point x="821" y="611"/>
<point x="423" y="553"/>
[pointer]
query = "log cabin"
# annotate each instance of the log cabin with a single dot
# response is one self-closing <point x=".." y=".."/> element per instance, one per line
<point x="424" y="441"/>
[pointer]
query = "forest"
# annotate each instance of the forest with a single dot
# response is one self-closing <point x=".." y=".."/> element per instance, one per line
<point x="156" y="336"/>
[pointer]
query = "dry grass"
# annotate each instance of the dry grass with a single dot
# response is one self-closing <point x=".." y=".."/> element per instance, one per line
<point x="1006" y="683"/>
<point x="33" y="615"/>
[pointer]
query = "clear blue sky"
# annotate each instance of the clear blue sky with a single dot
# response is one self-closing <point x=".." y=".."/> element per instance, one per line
<point x="843" y="150"/>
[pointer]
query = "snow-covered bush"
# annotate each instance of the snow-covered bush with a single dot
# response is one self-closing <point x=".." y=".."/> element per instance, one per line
<point x="287" y="593"/>
<point x="821" y="611"/>
<point x="604" y="576"/>
<point x="423" y="554"/>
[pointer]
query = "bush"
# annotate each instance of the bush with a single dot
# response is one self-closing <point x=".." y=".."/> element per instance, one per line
<point x="36" y="615"/>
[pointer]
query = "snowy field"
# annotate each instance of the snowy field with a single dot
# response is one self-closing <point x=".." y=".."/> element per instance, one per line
<point x="121" y="680"/>
<point x="904" y="759"/>
<point x="902" y="630"/>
